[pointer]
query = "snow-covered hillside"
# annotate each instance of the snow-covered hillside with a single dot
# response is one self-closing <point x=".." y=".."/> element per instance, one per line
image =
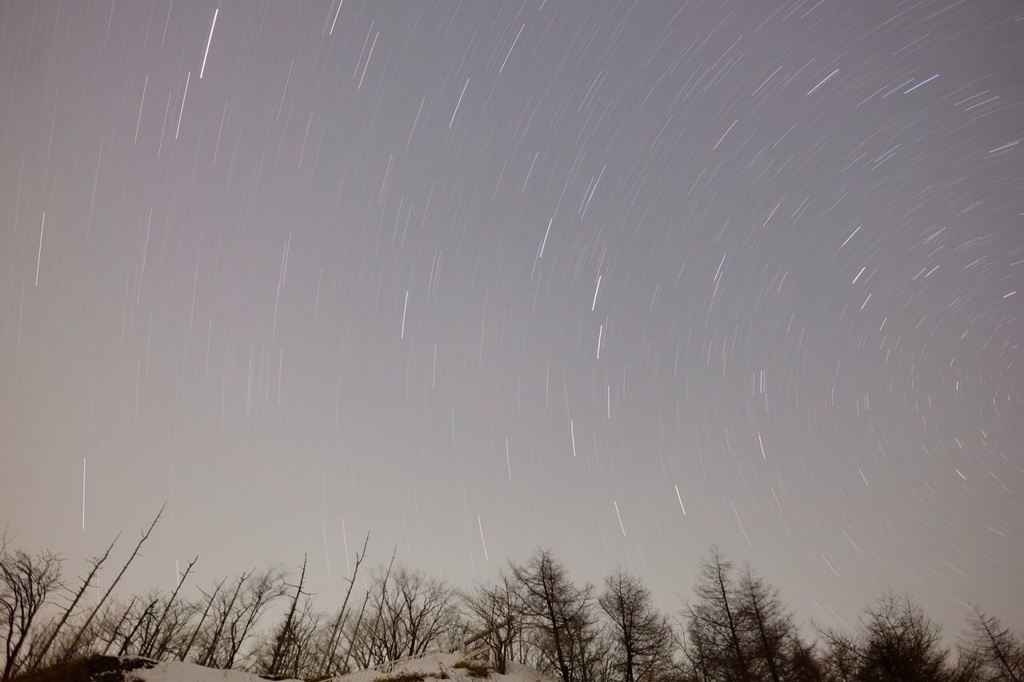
<point x="440" y="666"/>
<point x="428" y="667"/>
<point x="177" y="671"/>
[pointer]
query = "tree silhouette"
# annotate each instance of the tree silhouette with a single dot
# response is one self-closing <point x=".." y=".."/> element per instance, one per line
<point x="497" y="611"/>
<point x="997" y="651"/>
<point x="641" y="636"/>
<point x="26" y="582"/>
<point x="897" y="643"/>
<point x="560" y="614"/>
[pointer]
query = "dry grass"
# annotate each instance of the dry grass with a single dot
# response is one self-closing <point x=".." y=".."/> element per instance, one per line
<point x="474" y="669"/>
<point x="92" y="669"/>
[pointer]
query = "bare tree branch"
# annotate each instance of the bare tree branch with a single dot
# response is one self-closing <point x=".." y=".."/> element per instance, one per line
<point x="73" y="646"/>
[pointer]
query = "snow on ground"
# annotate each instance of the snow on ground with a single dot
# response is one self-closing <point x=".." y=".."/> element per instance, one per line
<point x="441" y="666"/>
<point x="436" y="666"/>
<point x="177" y="671"/>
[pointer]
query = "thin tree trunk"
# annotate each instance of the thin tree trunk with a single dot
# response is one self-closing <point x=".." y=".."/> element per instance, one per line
<point x="769" y="652"/>
<point x="147" y="650"/>
<point x="377" y="619"/>
<point x="131" y="635"/>
<point x="734" y="636"/>
<point x="156" y="645"/>
<point x="88" y="621"/>
<point x="195" y="633"/>
<point x="998" y="654"/>
<point x="40" y="656"/>
<point x="285" y="634"/>
<point x="117" y="628"/>
<point x="332" y="642"/>
<point x="355" y="631"/>
<point x="207" y="659"/>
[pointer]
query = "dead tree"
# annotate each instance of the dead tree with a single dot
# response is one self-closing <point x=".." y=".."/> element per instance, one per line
<point x="202" y="619"/>
<point x="207" y="659"/>
<point x="158" y="650"/>
<point x="115" y="631"/>
<point x="257" y="596"/>
<point x="73" y="646"/>
<point x="25" y="586"/>
<point x="336" y="629"/>
<point x="38" y="656"/>
<point x="362" y="645"/>
<point x="284" y="639"/>
<point x="353" y="635"/>
<point x="146" y="615"/>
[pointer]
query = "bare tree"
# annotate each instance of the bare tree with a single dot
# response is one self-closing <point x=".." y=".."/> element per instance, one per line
<point x="737" y="629"/>
<point x="771" y="628"/>
<point x="308" y="630"/>
<point x="72" y="648"/>
<point x="429" y="610"/>
<point x="997" y="651"/>
<point x="896" y="643"/>
<point x="777" y="652"/>
<point x="641" y="637"/>
<point x="285" y="640"/>
<point x="804" y="664"/>
<point x="173" y="617"/>
<point x="111" y="624"/>
<point x="841" y="655"/>
<point x="362" y="644"/>
<point x="224" y="608"/>
<point x="560" y="614"/>
<point x="354" y="632"/>
<point x="900" y="643"/>
<point x="158" y="641"/>
<point x="717" y="631"/>
<point x="497" y="613"/>
<point x="26" y="583"/>
<point x="174" y="627"/>
<point x="254" y="595"/>
<point x="331" y="646"/>
<point x="301" y="655"/>
<point x="412" y="613"/>
<point x="38" y="654"/>
<point x="210" y="599"/>
<point x="144" y="624"/>
<point x="695" y="662"/>
<point x="149" y="626"/>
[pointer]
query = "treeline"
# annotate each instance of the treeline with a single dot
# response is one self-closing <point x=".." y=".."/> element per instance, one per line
<point x="734" y="628"/>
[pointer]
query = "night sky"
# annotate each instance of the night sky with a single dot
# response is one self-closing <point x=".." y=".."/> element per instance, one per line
<point x="618" y="279"/>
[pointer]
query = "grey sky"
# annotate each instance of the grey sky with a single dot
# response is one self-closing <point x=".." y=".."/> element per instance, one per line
<point x="619" y="279"/>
